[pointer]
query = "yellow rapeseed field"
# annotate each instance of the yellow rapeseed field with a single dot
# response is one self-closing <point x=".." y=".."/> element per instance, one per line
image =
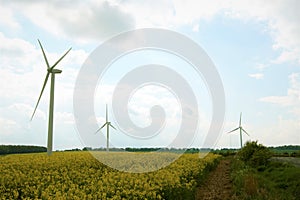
<point x="78" y="175"/>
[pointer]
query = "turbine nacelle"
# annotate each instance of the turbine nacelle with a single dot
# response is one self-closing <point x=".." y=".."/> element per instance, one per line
<point x="54" y="71"/>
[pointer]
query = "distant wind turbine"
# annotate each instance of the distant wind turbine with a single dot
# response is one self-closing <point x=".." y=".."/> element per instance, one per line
<point x="241" y="129"/>
<point x="107" y="124"/>
<point x="52" y="71"/>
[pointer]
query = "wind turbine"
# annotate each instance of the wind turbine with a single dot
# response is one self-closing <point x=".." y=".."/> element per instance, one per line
<point x="52" y="71"/>
<point x="241" y="129"/>
<point x="107" y="124"/>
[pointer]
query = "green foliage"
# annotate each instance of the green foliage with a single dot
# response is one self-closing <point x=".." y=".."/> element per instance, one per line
<point x="278" y="179"/>
<point x="14" y="149"/>
<point x="286" y="151"/>
<point x="297" y="154"/>
<point x="225" y="152"/>
<point x="254" y="154"/>
<point x="285" y="177"/>
<point x="286" y="148"/>
<point x="238" y="173"/>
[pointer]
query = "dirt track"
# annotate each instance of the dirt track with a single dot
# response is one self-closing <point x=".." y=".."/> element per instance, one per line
<point x="218" y="184"/>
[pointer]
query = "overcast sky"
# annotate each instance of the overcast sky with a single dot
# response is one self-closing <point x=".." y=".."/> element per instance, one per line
<point x="255" y="46"/>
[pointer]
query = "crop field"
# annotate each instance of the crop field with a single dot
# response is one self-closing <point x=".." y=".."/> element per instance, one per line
<point x="78" y="175"/>
<point x="291" y="160"/>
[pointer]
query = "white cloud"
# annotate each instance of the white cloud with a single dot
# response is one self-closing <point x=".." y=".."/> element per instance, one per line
<point x="171" y="14"/>
<point x="82" y="22"/>
<point x="139" y="112"/>
<point x="148" y="96"/>
<point x="282" y="23"/>
<point x="15" y="123"/>
<point x="16" y="127"/>
<point x="17" y="55"/>
<point x="6" y="127"/>
<point x="139" y="107"/>
<point x="23" y="71"/>
<point x="288" y="55"/>
<point x="196" y="28"/>
<point x="64" y="118"/>
<point x="261" y="67"/>
<point x="283" y="132"/>
<point x="286" y="130"/>
<point x="26" y="111"/>
<point x="292" y="99"/>
<point x="188" y="12"/>
<point x="280" y="18"/>
<point x="97" y="20"/>
<point x="7" y="18"/>
<point x="281" y="100"/>
<point x="257" y="75"/>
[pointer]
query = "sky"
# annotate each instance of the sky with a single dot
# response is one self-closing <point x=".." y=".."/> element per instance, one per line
<point x="254" y="45"/>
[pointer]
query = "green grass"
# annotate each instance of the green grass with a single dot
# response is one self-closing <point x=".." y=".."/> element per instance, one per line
<point x="285" y="177"/>
<point x="277" y="181"/>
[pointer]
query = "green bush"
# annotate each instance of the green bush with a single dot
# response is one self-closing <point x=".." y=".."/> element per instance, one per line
<point x="254" y="176"/>
<point x="254" y="154"/>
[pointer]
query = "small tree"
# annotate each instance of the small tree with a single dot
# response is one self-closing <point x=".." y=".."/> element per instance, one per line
<point x="254" y="154"/>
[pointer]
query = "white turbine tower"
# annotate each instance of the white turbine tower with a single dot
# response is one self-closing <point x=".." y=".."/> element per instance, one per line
<point x="107" y="124"/>
<point x="52" y="71"/>
<point x="241" y="130"/>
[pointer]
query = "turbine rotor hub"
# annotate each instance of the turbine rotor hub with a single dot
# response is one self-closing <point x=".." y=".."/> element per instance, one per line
<point x="55" y="71"/>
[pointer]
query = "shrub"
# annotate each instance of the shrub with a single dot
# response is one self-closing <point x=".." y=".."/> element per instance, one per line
<point x="254" y="154"/>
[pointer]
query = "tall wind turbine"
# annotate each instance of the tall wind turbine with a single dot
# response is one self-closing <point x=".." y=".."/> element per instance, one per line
<point x="241" y="130"/>
<point x="52" y="71"/>
<point x="107" y="124"/>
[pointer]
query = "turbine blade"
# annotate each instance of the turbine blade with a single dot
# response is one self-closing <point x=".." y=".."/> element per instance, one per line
<point x="61" y="58"/>
<point x="241" y="119"/>
<point x="97" y="131"/>
<point x="112" y="126"/>
<point x="100" y="128"/>
<point x="44" y="55"/>
<point x="233" y="130"/>
<point x="106" y="114"/>
<point x="45" y="82"/>
<point x="245" y="132"/>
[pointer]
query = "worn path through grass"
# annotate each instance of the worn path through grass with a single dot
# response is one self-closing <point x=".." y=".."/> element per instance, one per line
<point x="218" y="184"/>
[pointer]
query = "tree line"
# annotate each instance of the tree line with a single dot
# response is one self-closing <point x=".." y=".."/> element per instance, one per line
<point x="14" y="149"/>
